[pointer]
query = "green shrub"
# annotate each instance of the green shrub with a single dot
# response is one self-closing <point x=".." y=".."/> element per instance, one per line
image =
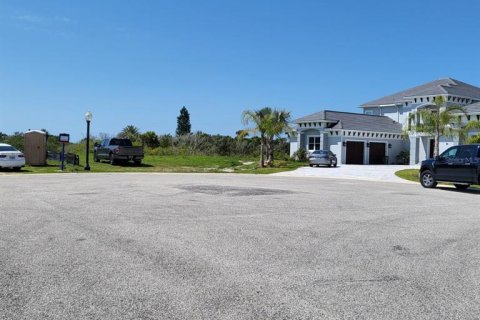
<point x="300" y="155"/>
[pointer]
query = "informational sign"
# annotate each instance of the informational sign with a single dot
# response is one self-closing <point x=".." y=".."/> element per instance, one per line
<point x="64" y="138"/>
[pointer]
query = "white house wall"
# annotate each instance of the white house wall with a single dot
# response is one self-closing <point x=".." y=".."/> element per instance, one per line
<point x="396" y="147"/>
<point x="335" y="143"/>
<point x="293" y="144"/>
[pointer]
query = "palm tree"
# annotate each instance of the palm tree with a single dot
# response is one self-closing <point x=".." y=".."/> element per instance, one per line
<point x="259" y="120"/>
<point x="150" y="139"/>
<point x="471" y="125"/>
<point x="437" y="120"/>
<point x="276" y="124"/>
<point x="131" y="132"/>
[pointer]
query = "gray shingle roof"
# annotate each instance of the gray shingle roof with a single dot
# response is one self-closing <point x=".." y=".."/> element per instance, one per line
<point x="472" y="108"/>
<point x="354" y="121"/>
<point x="437" y="87"/>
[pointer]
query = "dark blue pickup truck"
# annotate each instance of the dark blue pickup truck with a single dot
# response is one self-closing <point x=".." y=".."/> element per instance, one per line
<point x="459" y="165"/>
<point x="118" y="150"/>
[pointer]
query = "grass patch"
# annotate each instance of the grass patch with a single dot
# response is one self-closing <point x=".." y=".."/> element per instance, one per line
<point x="279" y="166"/>
<point x="408" y="174"/>
<point x="179" y="164"/>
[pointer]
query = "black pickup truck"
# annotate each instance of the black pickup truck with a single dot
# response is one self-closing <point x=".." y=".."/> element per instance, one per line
<point x="459" y="165"/>
<point x="118" y="150"/>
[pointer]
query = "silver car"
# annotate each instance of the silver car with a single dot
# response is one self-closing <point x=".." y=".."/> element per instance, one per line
<point x="322" y="157"/>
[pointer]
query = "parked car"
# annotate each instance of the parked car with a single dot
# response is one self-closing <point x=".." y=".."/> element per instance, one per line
<point x="118" y="150"/>
<point x="10" y="157"/>
<point x="459" y="165"/>
<point x="322" y="157"/>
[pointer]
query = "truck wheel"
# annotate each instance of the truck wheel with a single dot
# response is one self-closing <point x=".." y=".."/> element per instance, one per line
<point x="461" y="186"/>
<point x="427" y="180"/>
<point x="111" y="159"/>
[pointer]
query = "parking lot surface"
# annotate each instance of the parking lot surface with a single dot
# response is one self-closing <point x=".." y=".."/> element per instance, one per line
<point x="215" y="246"/>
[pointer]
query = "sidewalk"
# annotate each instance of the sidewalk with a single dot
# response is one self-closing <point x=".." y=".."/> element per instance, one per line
<point x="350" y="171"/>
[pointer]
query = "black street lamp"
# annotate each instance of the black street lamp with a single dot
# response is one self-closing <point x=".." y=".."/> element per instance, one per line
<point x="88" y="118"/>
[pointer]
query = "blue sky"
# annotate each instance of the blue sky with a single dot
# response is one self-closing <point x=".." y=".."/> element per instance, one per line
<point x="138" y="62"/>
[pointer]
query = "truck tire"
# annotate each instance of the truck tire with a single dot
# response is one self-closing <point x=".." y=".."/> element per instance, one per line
<point x="427" y="180"/>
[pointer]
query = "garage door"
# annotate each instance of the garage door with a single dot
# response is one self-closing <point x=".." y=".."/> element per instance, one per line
<point x="354" y="152"/>
<point x="376" y="153"/>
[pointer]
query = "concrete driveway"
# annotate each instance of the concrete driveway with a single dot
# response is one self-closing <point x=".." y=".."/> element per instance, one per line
<point x="384" y="173"/>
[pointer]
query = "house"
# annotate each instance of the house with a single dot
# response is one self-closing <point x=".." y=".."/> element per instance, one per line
<point x="399" y="105"/>
<point x="375" y="136"/>
<point x="354" y="137"/>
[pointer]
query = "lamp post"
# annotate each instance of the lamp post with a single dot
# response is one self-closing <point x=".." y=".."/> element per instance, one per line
<point x="88" y="118"/>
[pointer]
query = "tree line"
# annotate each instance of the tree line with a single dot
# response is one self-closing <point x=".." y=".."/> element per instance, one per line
<point x="261" y="139"/>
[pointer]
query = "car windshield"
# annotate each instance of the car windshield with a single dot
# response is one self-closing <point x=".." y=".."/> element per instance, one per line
<point x="322" y="152"/>
<point x="7" y="148"/>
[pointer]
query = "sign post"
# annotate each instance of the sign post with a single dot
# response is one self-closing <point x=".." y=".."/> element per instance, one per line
<point x="63" y="138"/>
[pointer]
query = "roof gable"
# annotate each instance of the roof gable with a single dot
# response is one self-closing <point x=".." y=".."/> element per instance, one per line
<point x="472" y="108"/>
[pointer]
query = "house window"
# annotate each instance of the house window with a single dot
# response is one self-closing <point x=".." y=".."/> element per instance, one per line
<point x="313" y="143"/>
<point x="406" y="104"/>
<point x="415" y="100"/>
<point x="478" y="117"/>
<point x="449" y="98"/>
<point x="428" y="99"/>
<point x="421" y="99"/>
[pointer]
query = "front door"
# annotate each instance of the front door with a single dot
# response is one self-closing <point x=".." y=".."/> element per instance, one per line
<point x="376" y="153"/>
<point x="354" y="152"/>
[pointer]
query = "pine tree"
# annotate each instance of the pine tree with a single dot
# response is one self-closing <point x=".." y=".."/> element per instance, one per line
<point x="183" y="122"/>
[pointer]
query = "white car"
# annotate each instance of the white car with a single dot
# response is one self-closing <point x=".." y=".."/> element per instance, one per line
<point x="10" y="157"/>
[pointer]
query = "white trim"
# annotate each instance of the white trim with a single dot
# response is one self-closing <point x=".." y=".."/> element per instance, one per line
<point x="372" y="134"/>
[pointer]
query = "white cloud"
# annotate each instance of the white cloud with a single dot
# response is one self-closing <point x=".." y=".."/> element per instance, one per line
<point x="29" y="18"/>
<point x="63" y="19"/>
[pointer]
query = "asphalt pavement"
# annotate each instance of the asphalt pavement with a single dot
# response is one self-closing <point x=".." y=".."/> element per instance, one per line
<point x="222" y="246"/>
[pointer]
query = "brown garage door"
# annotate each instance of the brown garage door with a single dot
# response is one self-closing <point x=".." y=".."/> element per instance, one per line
<point x="376" y="153"/>
<point x="354" y="152"/>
